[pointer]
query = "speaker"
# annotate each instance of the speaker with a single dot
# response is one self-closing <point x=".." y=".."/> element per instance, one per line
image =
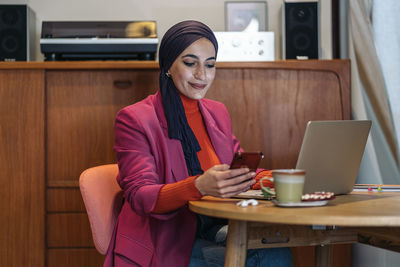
<point x="301" y="30"/>
<point x="17" y="24"/>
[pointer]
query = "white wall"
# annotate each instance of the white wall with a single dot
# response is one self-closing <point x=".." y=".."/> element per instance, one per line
<point x="166" y="13"/>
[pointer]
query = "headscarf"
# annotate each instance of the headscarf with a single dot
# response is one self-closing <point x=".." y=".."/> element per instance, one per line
<point x="173" y="43"/>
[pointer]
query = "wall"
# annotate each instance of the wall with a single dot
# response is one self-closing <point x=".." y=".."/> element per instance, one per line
<point x="166" y="13"/>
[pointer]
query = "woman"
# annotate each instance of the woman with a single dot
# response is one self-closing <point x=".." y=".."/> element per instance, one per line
<point x="171" y="148"/>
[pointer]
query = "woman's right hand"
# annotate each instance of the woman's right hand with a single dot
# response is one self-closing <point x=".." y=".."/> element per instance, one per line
<point x="220" y="181"/>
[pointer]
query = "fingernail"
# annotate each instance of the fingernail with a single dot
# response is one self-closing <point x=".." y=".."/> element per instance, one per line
<point x="253" y="174"/>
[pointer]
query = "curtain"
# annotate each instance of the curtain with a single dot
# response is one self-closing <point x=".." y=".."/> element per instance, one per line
<point x="370" y="99"/>
<point x="374" y="58"/>
<point x="385" y="22"/>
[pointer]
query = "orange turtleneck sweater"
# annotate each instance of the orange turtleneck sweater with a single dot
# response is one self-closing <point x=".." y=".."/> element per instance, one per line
<point x="175" y="195"/>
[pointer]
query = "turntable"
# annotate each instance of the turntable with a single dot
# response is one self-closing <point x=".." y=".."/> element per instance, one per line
<point x="99" y="40"/>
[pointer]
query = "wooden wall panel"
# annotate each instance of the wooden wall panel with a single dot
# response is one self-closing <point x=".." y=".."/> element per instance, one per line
<point x="270" y="108"/>
<point x="22" y="168"/>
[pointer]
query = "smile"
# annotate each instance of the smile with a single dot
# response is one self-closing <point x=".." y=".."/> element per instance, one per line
<point x="197" y="86"/>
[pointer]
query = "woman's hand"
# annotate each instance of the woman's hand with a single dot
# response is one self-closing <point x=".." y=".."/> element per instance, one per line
<point x="220" y="181"/>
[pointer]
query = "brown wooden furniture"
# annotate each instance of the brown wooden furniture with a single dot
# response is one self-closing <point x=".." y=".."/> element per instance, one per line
<point x="346" y="219"/>
<point x="22" y="171"/>
<point x="56" y="120"/>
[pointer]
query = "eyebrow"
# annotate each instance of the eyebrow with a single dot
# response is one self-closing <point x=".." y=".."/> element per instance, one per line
<point x="196" y="57"/>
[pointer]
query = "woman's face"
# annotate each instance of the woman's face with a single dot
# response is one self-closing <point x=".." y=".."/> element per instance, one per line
<point x="193" y="71"/>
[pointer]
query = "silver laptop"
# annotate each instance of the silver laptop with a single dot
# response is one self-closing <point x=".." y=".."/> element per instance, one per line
<point x="331" y="154"/>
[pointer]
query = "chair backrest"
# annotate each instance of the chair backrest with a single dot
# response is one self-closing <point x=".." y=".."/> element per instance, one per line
<point x="103" y="200"/>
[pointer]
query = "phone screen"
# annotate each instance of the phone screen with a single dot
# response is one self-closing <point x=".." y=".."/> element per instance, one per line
<point x="250" y="160"/>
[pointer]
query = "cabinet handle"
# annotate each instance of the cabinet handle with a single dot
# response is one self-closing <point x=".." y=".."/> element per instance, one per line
<point x="122" y="84"/>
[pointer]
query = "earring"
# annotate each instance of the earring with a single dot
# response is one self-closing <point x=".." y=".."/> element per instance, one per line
<point x="168" y="74"/>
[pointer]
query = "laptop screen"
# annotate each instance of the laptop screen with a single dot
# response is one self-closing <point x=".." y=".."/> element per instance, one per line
<point x="331" y="154"/>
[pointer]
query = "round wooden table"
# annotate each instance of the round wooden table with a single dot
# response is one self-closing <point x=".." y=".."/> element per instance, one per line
<point x="356" y="211"/>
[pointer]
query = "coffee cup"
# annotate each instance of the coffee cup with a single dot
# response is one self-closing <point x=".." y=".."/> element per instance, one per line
<point x="288" y="184"/>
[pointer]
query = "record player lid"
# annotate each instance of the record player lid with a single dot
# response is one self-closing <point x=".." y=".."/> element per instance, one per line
<point x="98" y="29"/>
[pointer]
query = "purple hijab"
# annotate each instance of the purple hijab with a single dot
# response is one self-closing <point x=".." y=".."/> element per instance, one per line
<point x="174" y="42"/>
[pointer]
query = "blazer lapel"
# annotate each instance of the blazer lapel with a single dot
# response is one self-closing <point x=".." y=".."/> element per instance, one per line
<point x="175" y="155"/>
<point x="221" y="142"/>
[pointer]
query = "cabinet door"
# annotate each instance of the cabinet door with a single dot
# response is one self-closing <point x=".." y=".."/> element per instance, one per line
<point x="81" y="108"/>
<point x="22" y="168"/>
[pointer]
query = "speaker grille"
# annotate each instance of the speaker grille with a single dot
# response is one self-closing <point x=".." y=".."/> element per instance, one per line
<point x="13" y="32"/>
<point x="301" y="30"/>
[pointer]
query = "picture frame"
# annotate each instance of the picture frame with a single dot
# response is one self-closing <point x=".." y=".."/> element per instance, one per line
<point x="242" y="15"/>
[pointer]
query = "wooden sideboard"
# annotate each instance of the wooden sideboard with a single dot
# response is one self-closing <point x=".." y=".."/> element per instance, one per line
<point x="56" y="120"/>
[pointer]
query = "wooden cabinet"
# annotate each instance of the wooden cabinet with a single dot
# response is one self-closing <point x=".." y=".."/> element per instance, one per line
<point x="57" y="120"/>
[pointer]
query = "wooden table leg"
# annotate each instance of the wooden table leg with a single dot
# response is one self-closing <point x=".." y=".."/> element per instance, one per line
<point x="236" y="244"/>
<point x="323" y="255"/>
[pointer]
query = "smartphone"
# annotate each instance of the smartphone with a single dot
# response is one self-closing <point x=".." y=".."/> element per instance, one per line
<point x="247" y="159"/>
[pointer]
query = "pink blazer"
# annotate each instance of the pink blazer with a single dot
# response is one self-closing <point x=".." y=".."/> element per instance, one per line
<point x="147" y="159"/>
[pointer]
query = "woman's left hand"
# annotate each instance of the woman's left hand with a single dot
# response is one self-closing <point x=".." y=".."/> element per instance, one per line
<point x="220" y="181"/>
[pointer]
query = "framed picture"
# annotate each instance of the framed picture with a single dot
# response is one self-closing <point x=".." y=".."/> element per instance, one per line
<point x="240" y="16"/>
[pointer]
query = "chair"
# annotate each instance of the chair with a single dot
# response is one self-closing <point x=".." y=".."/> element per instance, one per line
<point x="103" y="200"/>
